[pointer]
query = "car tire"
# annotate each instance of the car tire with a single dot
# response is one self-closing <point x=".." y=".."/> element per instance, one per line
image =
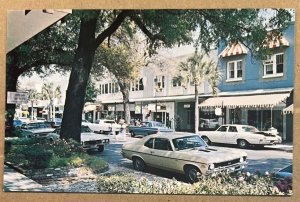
<point x="242" y="144"/>
<point x="191" y="173"/>
<point x="139" y="164"/>
<point x="208" y="142"/>
<point x="101" y="148"/>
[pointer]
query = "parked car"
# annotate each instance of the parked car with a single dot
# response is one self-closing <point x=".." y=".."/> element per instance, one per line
<point x="17" y="123"/>
<point x="148" y="128"/>
<point x="286" y="172"/>
<point x="89" y="139"/>
<point x="242" y="135"/>
<point x="209" y="123"/>
<point x="103" y="126"/>
<point x="55" y="123"/>
<point x="35" y="129"/>
<point x="184" y="153"/>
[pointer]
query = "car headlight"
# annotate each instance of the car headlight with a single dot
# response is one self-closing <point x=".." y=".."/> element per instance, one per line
<point x="211" y="166"/>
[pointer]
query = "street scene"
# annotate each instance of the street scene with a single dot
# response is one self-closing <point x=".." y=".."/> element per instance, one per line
<point x="150" y="101"/>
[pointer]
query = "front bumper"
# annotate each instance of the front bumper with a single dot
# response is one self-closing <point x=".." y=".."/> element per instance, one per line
<point x="230" y="168"/>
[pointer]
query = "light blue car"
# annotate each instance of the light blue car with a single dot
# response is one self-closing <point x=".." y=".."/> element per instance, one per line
<point x="147" y="128"/>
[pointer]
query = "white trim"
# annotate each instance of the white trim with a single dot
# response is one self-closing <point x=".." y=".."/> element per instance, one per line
<point x="274" y="65"/>
<point x="235" y="70"/>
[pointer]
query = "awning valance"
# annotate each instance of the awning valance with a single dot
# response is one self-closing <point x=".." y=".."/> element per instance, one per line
<point x="276" y="43"/>
<point x="289" y="109"/>
<point x="235" y="48"/>
<point x="267" y="100"/>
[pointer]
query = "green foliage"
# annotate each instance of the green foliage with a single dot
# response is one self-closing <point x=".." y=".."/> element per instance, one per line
<point x="222" y="184"/>
<point x="37" y="156"/>
<point x="91" y="91"/>
<point x="96" y="164"/>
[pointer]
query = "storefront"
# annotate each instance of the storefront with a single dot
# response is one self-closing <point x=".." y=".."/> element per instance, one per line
<point x="261" y="110"/>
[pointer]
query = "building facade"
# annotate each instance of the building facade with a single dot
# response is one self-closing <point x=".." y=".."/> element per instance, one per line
<point x="156" y="95"/>
<point x="255" y="92"/>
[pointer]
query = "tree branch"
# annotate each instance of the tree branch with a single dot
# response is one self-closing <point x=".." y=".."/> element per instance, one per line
<point x="112" y="28"/>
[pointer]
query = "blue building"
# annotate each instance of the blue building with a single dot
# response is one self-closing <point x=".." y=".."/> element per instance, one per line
<point x="253" y="91"/>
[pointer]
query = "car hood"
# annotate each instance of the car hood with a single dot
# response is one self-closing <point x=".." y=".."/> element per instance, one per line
<point x="213" y="154"/>
<point x="92" y="136"/>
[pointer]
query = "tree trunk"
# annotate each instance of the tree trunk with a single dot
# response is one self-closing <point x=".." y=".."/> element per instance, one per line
<point x="196" y="108"/>
<point x="71" y="124"/>
<point x="125" y="94"/>
<point x="12" y="75"/>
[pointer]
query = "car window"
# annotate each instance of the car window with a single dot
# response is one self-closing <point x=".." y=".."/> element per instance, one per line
<point x="149" y="143"/>
<point x="189" y="142"/>
<point x="222" y="129"/>
<point x="249" y="129"/>
<point x="162" y="144"/>
<point x="232" y="129"/>
<point x="86" y="129"/>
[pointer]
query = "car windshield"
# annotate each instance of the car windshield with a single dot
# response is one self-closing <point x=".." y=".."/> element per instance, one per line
<point x="158" y="124"/>
<point x="249" y="129"/>
<point x="188" y="142"/>
<point x="86" y="130"/>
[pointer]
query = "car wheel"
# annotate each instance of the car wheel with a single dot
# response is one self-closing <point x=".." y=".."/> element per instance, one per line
<point x="191" y="173"/>
<point x="206" y="140"/>
<point x="101" y="148"/>
<point x="242" y="144"/>
<point x="132" y="134"/>
<point x="139" y="164"/>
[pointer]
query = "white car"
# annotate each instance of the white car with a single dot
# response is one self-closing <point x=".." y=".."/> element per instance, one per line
<point x="103" y="126"/>
<point x="242" y="135"/>
<point x="89" y="139"/>
<point x="184" y="153"/>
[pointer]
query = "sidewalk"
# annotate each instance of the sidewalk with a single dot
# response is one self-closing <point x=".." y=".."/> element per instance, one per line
<point x="14" y="181"/>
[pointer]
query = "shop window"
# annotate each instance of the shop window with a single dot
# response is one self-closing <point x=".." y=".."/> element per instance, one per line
<point x="273" y="65"/>
<point x="234" y="71"/>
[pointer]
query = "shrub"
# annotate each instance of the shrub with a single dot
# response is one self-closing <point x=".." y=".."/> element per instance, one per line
<point x="222" y="184"/>
<point x="97" y="164"/>
<point x="56" y="162"/>
<point x="37" y="156"/>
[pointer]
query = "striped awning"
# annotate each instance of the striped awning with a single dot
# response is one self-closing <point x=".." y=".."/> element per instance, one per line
<point x="266" y="101"/>
<point x="276" y="43"/>
<point x="289" y="109"/>
<point x="235" y="48"/>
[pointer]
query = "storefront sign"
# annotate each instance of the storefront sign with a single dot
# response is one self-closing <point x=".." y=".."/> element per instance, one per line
<point x="186" y="106"/>
<point x="17" y="97"/>
<point x="218" y="111"/>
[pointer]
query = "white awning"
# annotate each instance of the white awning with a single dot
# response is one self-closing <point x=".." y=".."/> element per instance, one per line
<point x="268" y="100"/>
<point x="289" y="109"/>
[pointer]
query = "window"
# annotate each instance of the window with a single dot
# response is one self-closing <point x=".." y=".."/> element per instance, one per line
<point x="159" y="83"/>
<point x="109" y="89"/>
<point x="162" y="144"/>
<point x="137" y="85"/>
<point x="116" y="87"/>
<point x="106" y="89"/>
<point x="149" y="143"/>
<point x="223" y="128"/>
<point x="100" y="89"/>
<point x="234" y="70"/>
<point x="273" y="65"/>
<point x="232" y="129"/>
<point x="176" y="82"/>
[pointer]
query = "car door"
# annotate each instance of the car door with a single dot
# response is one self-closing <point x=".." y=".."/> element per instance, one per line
<point x="220" y="135"/>
<point x="147" y="151"/>
<point x="162" y="154"/>
<point x="231" y="135"/>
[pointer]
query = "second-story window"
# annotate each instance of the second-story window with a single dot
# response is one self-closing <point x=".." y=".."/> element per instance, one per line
<point x="273" y="65"/>
<point x="234" y="70"/>
<point x="176" y="82"/>
<point x="159" y="83"/>
<point x="137" y="85"/>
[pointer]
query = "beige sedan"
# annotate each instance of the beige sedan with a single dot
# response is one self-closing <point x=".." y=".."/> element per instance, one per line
<point x="182" y="153"/>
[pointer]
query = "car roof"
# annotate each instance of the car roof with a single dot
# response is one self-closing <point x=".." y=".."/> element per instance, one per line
<point x="171" y="135"/>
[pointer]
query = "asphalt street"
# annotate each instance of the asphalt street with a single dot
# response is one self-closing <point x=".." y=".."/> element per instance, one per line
<point x="259" y="159"/>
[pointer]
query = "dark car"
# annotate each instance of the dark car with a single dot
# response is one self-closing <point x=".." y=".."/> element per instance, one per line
<point x="35" y="129"/>
<point x="285" y="172"/>
<point x="54" y="123"/>
<point x="147" y="128"/>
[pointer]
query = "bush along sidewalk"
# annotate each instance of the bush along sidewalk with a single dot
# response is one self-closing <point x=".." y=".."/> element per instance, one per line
<point x="221" y="184"/>
<point x="35" y="155"/>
